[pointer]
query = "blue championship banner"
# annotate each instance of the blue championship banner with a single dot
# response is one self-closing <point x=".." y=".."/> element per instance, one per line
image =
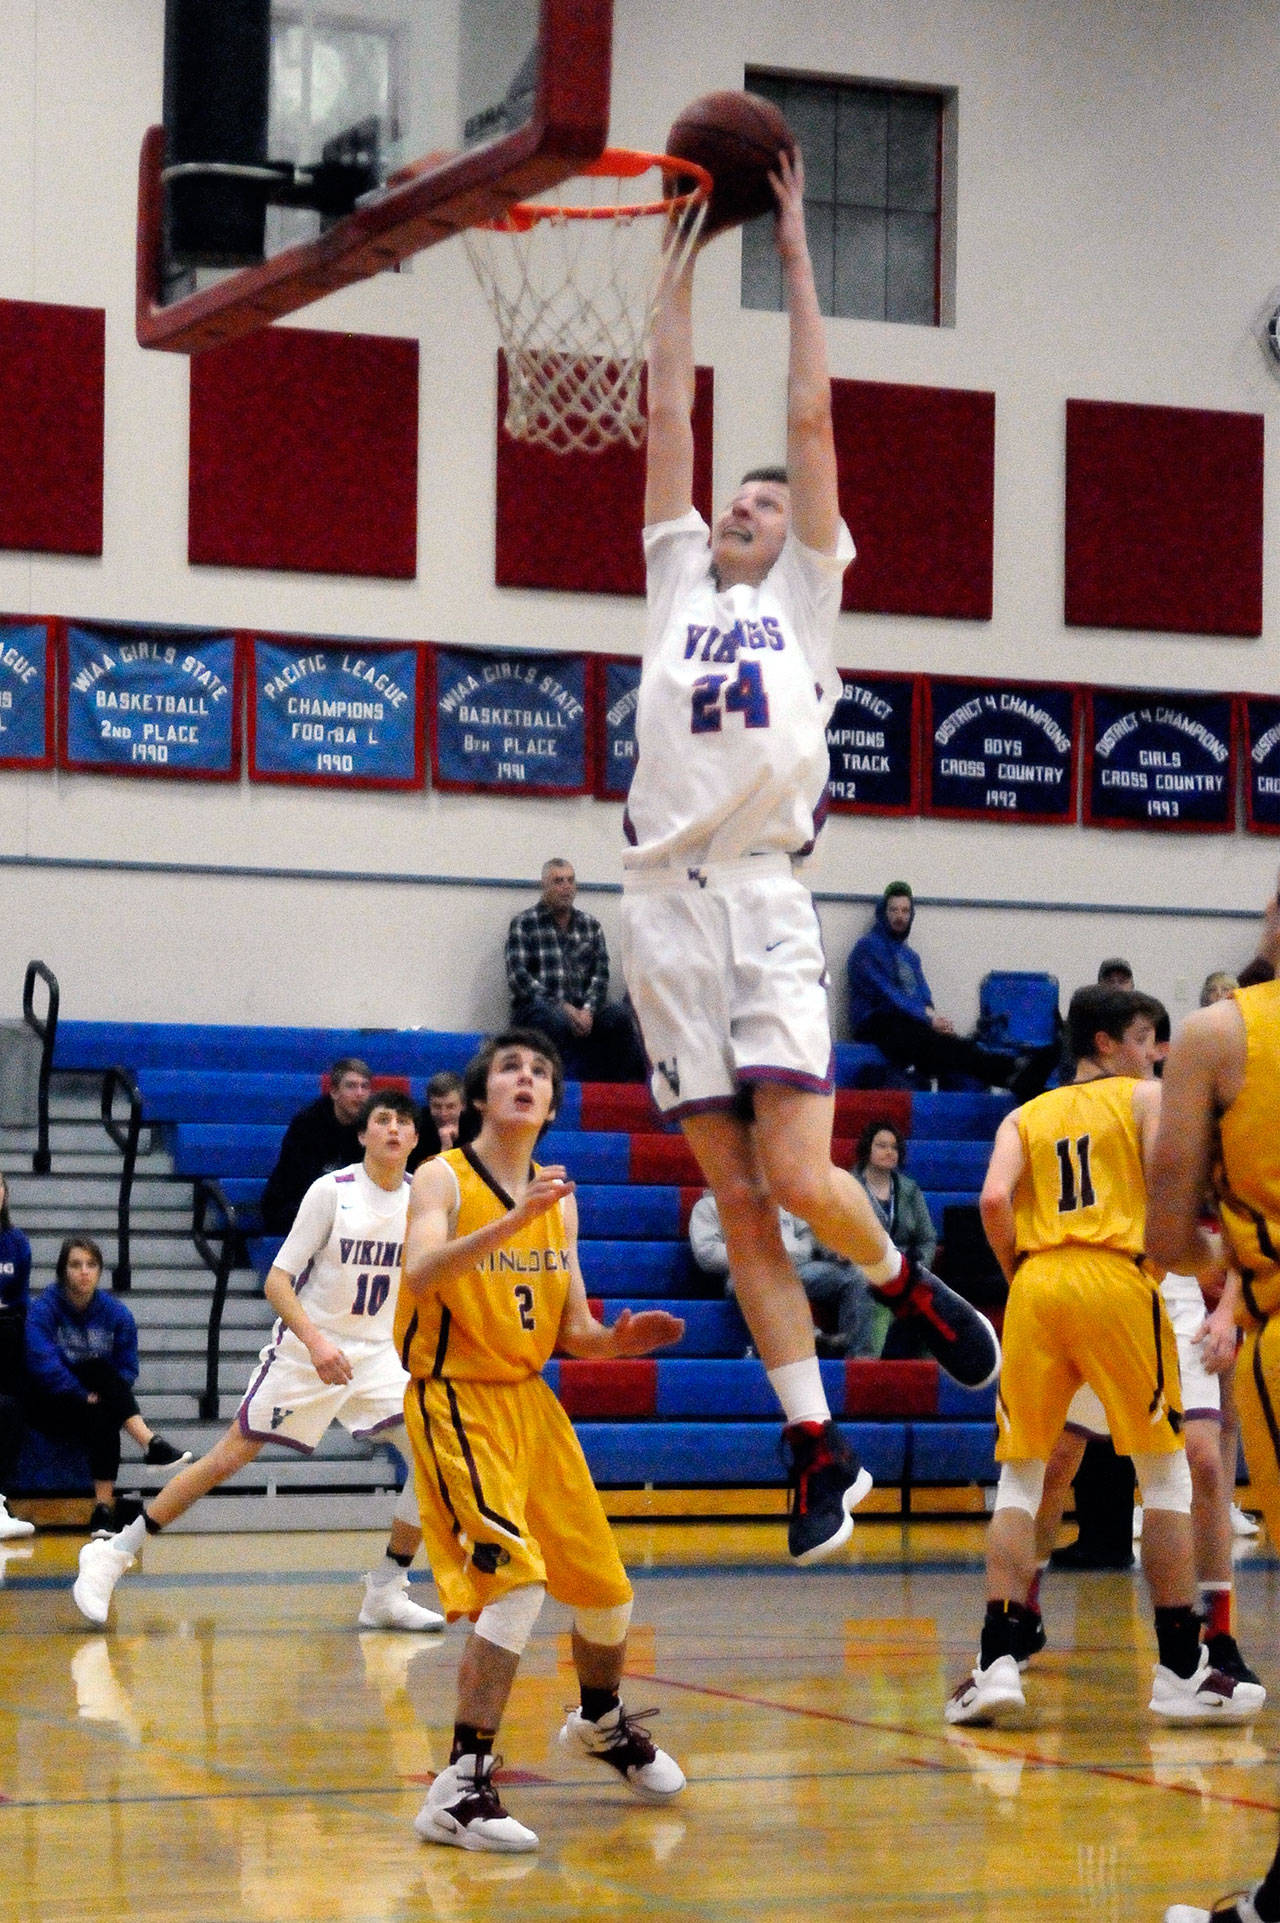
<point x="1160" y="760"/>
<point x="1000" y="751"/>
<point x="150" y="700"/>
<point x="507" y="723"/>
<point x="872" y="739"/>
<point x="26" y="692"/>
<point x="335" y="714"/>
<point x="617" y="689"/>
<point x="1261" y="714"/>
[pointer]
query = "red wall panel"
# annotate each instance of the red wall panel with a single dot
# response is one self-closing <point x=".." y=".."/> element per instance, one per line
<point x="304" y="454"/>
<point x="1163" y="519"/>
<point x="917" y="481"/>
<point x="572" y="522"/>
<point x="51" y="409"/>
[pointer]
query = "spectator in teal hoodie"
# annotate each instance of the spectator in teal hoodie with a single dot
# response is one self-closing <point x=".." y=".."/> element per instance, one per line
<point x="82" y="1363"/>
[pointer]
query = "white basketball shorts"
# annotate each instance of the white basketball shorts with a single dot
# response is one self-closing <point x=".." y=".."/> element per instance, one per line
<point x="287" y="1402"/>
<point x="1201" y="1393"/>
<point x="727" y="973"/>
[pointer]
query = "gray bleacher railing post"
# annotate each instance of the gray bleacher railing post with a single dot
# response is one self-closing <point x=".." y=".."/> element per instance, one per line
<point x="208" y="1194"/>
<point x="47" y="1030"/>
<point x="126" y="1140"/>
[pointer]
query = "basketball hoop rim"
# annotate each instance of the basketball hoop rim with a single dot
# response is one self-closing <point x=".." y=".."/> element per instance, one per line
<point x="622" y="163"/>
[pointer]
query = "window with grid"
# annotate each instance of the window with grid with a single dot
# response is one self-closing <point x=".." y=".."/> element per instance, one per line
<point x="873" y="199"/>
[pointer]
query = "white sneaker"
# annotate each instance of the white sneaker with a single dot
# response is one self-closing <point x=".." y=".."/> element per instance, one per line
<point x="1242" y="1524"/>
<point x="991" y="1695"/>
<point x="626" y="1746"/>
<point x="1238" y="1909"/>
<point x="388" y="1605"/>
<point x="462" y="1808"/>
<point x="1206" y="1697"/>
<point x="11" y="1526"/>
<point x="101" y="1567"/>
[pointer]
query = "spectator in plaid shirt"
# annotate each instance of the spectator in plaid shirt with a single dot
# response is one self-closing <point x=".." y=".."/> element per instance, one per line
<point x="558" y="974"/>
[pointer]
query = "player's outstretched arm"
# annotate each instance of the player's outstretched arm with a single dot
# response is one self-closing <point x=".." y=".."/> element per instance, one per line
<point x="995" y="1204"/>
<point x="668" y="491"/>
<point x="433" y="1255"/>
<point x="811" y="450"/>
<point x="582" y="1336"/>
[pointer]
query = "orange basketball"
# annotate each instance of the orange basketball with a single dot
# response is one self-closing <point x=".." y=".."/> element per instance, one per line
<point x="737" y="137"/>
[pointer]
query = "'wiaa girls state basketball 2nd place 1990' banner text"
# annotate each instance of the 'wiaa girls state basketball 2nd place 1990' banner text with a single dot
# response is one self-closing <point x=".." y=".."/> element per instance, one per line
<point x="149" y="701"/>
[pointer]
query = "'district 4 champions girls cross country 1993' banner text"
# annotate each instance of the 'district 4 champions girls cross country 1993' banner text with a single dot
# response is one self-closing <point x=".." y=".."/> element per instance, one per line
<point x="1156" y="759"/>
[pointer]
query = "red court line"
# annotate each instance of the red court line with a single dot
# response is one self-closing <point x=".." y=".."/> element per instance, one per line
<point x="1105" y="1770"/>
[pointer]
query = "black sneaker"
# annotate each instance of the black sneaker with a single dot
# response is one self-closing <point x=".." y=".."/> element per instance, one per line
<point x="103" y="1520"/>
<point x="1224" y="1656"/>
<point x="827" y="1483"/>
<point x="162" y="1455"/>
<point x="956" y="1334"/>
<point x="1028" y="1637"/>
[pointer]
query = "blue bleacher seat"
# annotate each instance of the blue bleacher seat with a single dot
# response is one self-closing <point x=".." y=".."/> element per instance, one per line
<point x="861" y="1065"/>
<point x="1017" y="1009"/>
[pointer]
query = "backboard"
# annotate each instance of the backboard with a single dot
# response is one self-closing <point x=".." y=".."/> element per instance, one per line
<point x="307" y="145"/>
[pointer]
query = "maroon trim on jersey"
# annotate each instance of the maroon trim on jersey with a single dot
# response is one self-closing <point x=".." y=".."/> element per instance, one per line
<point x="388" y="1422"/>
<point x="407" y="1344"/>
<point x="442" y="1343"/>
<point x="442" y="1486"/>
<point x="789" y="1078"/>
<point x="490" y="1181"/>
<point x="508" y="1529"/>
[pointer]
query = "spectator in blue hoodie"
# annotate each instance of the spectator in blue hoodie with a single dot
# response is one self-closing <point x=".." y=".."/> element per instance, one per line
<point x="891" y="1005"/>
<point x="82" y="1363"/>
<point x="15" y="1279"/>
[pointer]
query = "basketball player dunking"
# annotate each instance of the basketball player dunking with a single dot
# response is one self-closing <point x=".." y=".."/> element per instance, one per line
<point x="721" y="945"/>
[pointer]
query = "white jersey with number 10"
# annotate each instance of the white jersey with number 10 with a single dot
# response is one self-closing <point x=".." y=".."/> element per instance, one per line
<point x="344" y="1252"/>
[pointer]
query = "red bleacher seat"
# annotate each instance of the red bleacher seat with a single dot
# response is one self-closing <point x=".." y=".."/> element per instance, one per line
<point x="613" y="1388"/>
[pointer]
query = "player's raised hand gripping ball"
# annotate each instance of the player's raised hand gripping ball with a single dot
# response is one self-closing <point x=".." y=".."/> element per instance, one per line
<point x="737" y="137"/>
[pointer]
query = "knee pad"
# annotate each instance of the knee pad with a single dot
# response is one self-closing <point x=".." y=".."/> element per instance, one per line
<point x="509" y="1621"/>
<point x="1165" y="1481"/>
<point x="1021" y="1486"/>
<point x="604" y="1627"/>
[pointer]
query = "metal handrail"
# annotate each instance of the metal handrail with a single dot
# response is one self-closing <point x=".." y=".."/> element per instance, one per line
<point x="126" y="1137"/>
<point x="217" y="1244"/>
<point x="47" y="1031"/>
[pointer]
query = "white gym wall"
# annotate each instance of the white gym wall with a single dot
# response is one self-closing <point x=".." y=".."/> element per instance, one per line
<point x="1117" y="178"/>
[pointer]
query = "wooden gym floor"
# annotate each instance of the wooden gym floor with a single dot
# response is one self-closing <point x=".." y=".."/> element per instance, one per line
<point x="233" y="1747"/>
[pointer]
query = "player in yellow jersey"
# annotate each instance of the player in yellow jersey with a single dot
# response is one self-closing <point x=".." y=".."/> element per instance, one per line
<point x="1219" y="1127"/>
<point x="491" y="1285"/>
<point x="1064" y="1207"/>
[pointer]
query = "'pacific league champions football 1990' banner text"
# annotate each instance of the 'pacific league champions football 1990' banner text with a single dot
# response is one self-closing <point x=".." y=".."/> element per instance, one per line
<point x="336" y="714"/>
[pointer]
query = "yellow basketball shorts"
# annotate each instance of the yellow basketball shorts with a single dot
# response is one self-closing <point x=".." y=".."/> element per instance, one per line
<point x="1078" y="1314"/>
<point x="506" y="1497"/>
<point x="1258" y="1401"/>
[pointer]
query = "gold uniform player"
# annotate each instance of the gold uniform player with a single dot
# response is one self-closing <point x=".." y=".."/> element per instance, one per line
<point x="1064" y="1207"/>
<point x="1220" y="1120"/>
<point x="491" y="1286"/>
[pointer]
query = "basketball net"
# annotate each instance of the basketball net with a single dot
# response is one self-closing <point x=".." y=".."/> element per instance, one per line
<point x="573" y="290"/>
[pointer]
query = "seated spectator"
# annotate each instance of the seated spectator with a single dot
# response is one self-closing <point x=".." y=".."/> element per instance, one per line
<point x="829" y="1283"/>
<point x="891" y="1006"/>
<point x="323" y="1136"/>
<point x="558" y="976"/>
<point x="443" y="1123"/>
<point x="1217" y="987"/>
<point x="900" y="1204"/>
<point x="15" y="1279"/>
<point x="1115" y="972"/>
<point x="82" y="1363"/>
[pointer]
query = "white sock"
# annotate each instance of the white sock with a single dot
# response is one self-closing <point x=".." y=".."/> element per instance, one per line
<point x="132" y="1536"/>
<point x="386" y="1573"/>
<point x="887" y="1269"/>
<point x="798" y="1387"/>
